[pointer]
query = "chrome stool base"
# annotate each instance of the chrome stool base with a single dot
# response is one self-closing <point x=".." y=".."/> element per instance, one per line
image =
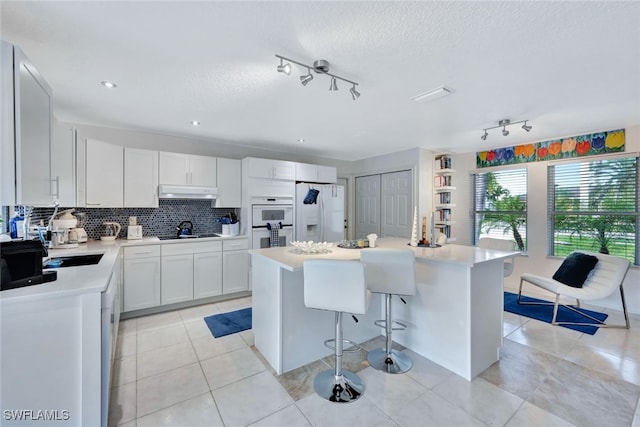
<point x="394" y="362"/>
<point x="344" y="388"/>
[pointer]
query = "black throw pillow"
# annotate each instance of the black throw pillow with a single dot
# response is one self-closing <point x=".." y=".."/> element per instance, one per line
<point x="575" y="268"/>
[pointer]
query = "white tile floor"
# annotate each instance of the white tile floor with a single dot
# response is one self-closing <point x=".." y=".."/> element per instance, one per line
<point x="170" y="371"/>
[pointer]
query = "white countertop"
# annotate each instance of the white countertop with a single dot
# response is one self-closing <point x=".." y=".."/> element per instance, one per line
<point x="90" y="278"/>
<point x="456" y="254"/>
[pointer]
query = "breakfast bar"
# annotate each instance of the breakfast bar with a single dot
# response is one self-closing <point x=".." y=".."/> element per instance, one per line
<point x="455" y="318"/>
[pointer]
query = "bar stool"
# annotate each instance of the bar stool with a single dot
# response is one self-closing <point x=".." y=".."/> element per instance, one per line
<point x="390" y="272"/>
<point x="336" y="286"/>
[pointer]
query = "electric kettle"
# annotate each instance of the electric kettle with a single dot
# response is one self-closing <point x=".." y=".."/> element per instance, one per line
<point x="111" y="231"/>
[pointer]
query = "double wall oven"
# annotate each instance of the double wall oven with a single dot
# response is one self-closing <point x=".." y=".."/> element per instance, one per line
<point x="272" y="221"/>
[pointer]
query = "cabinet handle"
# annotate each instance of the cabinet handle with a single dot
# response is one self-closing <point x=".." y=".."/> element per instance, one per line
<point x="93" y="204"/>
<point x="141" y="253"/>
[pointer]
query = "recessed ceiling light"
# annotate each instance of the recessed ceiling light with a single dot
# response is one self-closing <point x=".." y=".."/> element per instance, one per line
<point x="195" y="122"/>
<point x="433" y="94"/>
<point x="301" y="140"/>
<point x="107" y="84"/>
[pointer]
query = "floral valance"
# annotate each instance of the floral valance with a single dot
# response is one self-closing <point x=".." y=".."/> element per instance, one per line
<point x="575" y="146"/>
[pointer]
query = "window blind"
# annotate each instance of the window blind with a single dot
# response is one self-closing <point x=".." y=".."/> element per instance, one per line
<point x="593" y="206"/>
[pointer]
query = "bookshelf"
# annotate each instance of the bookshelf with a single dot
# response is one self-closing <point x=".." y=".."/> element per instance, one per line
<point x="443" y="194"/>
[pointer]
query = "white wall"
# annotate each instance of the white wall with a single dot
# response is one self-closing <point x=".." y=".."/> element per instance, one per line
<point x="537" y="259"/>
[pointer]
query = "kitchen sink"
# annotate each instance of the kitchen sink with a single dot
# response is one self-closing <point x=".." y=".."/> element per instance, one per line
<point x="72" y="261"/>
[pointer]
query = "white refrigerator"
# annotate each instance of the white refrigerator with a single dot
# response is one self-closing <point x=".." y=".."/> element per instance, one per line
<point x="322" y="221"/>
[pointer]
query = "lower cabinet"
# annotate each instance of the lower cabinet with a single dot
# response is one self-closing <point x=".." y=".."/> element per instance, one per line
<point x="207" y="275"/>
<point x="141" y="277"/>
<point x="177" y="279"/>
<point x="235" y="271"/>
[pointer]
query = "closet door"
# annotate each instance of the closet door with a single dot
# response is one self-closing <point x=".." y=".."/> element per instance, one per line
<point x="367" y="205"/>
<point x="396" y="211"/>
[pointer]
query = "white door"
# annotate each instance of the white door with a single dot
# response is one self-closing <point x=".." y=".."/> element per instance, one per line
<point x="105" y="175"/>
<point x="177" y="279"/>
<point x="141" y="283"/>
<point x="207" y="274"/>
<point x="235" y="271"/>
<point x="174" y="168"/>
<point x="367" y="205"/>
<point x="202" y="171"/>
<point x="140" y="178"/>
<point x="396" y="197"/>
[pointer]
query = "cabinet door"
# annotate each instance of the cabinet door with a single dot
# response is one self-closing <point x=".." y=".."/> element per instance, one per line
<point x="174" y="168"/>
<point x="202" y="171"/>
<point x="327" y="174"/>
<point x="141" y="283"/>
<point x="33" y="120"/>
<point x="63" y="165"/>
<point x="229" y="183"/>
<point x="207" y="274"/>
<point x="140" y="178"/>
<point x="260" y="168"/>
<point x="105" y="175"/>
<point x="284" y="170"/>
<point x="235" y="271"/>
<point x="177" y="279"/>
<point x="306" y="172"/>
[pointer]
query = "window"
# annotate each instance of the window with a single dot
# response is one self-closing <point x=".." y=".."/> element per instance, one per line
<point x="593" y="206"/>
<point x="500" y="205"/>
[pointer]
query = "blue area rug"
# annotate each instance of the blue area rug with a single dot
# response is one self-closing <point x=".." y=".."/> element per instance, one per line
<point x="545" y="313"/>
<point x="224" y="324"/>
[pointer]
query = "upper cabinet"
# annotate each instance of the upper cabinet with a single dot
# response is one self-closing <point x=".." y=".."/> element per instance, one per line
<point x="104" y="175"/>
<point x="140" y="178"/>
<point x="316" y="173"/>
<point x="187" y="169"/>
<point x="63" y="164"/>
<point x="26" y="127"/>
<point x="271" y="169"/>
<point x="229" y="183"/>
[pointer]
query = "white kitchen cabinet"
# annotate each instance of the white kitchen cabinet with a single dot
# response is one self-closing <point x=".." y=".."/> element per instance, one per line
<point x="177" y="279"/>
<point x="63" y="164"/>
<point x="235" y="266"/>
<point x="271" y="169"/>
<point x="140" y="178"/>
<point x="104" y="175"/>
<point x="316" y="173"/>
<point x="187" y="169"/>
<point x="25" y="131"/>
<point x="229" y="183"/>
<point x="207" y="274"/>
<point x="141" y="277"/>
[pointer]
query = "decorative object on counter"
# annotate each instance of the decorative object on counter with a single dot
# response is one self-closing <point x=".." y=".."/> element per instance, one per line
<point x="320" y="66"/>
<point x="423" y="240"/>
<point x="354" y="244"/>
<point x="233" y="322"/>
<point x="414" y="230"/>
<point x="372" y="239"/>
<point x="111" y="231"/>
<point x="230" y="224"/>
<point x="311" y="247"/>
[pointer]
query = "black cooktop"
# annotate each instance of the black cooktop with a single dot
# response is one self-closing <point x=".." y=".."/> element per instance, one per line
<point x="191" y="237"/>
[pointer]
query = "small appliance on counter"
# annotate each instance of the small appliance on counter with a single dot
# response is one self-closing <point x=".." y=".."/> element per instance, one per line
<point x="111" y="231"/>
<point x="185" y="229"/>
<point x="21" y="264"/>
<point x="63" y="235"/>
<point x="134" y="231"/>
<point x="80" y="231"/>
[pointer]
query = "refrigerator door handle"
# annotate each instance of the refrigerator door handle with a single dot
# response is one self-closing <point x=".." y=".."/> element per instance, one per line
<point x="323" y="220"/>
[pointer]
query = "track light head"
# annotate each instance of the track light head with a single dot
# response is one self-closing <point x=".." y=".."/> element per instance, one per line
<point x="284" y="68"/>
<point x="505" y="132"/>
<point x="484" y="136"/>
<point x="354" y="93"/>
<point x="334" y="84"/>
<point x="306" y="78"/>
<point x="525" y="127"/>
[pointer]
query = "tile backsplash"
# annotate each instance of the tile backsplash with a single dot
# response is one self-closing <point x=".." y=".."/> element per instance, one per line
<point x="161" y="221"/>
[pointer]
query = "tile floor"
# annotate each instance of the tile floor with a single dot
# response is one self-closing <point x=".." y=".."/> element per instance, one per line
<point x="170" y="371"/>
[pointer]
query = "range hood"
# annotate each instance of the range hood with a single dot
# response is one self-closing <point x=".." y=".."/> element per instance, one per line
<point x="186" y="192"/>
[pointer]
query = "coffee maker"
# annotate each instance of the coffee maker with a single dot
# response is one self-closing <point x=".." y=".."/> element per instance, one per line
<point x="63" y="235"/>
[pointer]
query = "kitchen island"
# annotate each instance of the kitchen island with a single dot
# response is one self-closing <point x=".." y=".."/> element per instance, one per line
<point x="455" y="318"/>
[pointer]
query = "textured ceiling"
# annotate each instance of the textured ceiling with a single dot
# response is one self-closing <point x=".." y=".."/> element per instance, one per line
<point x="568" y="67"/>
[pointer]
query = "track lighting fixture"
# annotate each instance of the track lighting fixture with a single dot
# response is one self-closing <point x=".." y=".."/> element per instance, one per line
<point x="503" y="124"/>
<point x="306" y="78"/>
<point x="320" y="66"/>
<point x="284" y="68"/>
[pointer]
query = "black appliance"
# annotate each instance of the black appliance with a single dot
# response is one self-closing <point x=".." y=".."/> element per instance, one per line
<point x="185" y="228"/>
<point x="21" y="264"/>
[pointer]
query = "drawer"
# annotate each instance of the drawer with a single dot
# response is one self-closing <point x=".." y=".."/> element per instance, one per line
<point x="191" y="248"/>
<point x="234" y="245"/>
<point x="132" y="252"/>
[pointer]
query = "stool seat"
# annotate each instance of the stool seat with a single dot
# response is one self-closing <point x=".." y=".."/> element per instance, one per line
<point x="390" y="272"/>
<point x="338" y="286"/>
